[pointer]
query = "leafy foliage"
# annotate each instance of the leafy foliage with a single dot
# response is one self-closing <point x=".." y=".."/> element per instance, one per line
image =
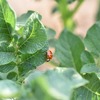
<point x="92" y="39"/>
<point x="51" y="88"/>
<point x="69" y="52"/>
<point x="83" y="93"/>
<point x="23" y="47"/>
<point x="6" y="22"/>
<point x="23" y="18"/>
<point x="8" y="89"/>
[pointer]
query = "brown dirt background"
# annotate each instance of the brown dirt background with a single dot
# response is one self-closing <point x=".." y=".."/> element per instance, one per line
<point x="84" y="17"/>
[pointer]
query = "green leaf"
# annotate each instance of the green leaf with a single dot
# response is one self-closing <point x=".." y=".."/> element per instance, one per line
<point x="92" y="39"/>
<point x="4" y="47"/>
<point x="68" y="50"/>
<point x="90" y="91"/>
<point x="9" y="71"/>
<point x="59" y="78"/>
<point x="7" y="67"/>
<point x="34" y="36"/>
<point x="84" y="93"/>
<point x="38" y="90"/>
<point x="94" y="83"/>
<point x="76" y="79"/>
<point x="6" y="57"/>
<point x="8" y="89"/>
<point x="12" y="76"/>
<point x="7" y="21"/>
<point x="53" y="83"/>
<point x="21" y="20"/>
<point x="31" y="61"/>
<point x="32" y="76"/>
<point x="86" y="57"/>
<point x="90" y="68"/>
<point x="6" y="13"/>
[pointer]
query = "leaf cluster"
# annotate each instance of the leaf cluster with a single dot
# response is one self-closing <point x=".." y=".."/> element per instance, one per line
<point x="23" y="46"/>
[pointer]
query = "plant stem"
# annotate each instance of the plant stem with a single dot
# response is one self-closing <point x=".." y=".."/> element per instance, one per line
<point x="67" y="14"/>
<point x="77" y="7"/>
<point x="63" y="10"/>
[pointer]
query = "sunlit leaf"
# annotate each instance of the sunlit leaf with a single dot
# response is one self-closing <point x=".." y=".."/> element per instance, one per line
<point x="21" y="20"/>
<point x="7" y="21"/>
<point x="34" y="36"/>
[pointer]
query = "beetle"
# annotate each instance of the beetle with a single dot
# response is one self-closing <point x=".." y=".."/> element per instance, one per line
<point x="49" y="55"/>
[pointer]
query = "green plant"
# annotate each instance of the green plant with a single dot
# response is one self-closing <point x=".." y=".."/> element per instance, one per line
<point x="23" y="47"/>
